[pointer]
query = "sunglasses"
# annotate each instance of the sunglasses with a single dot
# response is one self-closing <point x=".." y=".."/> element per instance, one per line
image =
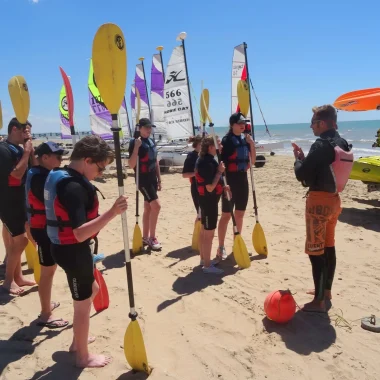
<point x="100" y="168"/>
<point x="315" y="121"/>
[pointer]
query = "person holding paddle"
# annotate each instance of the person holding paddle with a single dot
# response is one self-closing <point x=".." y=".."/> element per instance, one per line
<point x="325" y="171"/>
<point x="144" y="149"/>
<point x="208" y="175"/>
<point x="14" y="163"/>
<point x="72" y="217"/>
<point x="235" y="152"/>
<point x="49" y="157"/>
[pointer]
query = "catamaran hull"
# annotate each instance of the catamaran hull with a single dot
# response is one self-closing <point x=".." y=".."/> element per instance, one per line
<point x="366" y="169"/>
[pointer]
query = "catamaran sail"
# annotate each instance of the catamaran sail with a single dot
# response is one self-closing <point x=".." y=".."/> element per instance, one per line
<point x="141" y="86"/>
<point x="100" y="117"/>
<point x="157" y="96"/>
<point x="177" y="111"/>
<point x="64" y="115"/>
<point x="133" y="105"/>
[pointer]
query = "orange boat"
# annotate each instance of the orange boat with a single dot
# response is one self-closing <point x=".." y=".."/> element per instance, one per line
<point x="360" y="100"/>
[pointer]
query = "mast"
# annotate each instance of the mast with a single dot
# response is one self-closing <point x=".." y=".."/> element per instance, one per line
<point x="141" y="59"/>
<point x="181" y="37"/>
<point x="249" y="91"/>
<point x="160" y="48"/>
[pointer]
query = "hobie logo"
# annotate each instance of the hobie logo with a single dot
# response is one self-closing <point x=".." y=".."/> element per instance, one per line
<point x="119" y="42"/>
<point x="64" y="104"/>
<point x="174" y="77"/>
<point x="25" y="86"/>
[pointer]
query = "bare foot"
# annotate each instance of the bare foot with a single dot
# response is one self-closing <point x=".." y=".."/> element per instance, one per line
<point x="93" y="361"/>
<point x="13" y="289"/>
<point x="22" y="281"/>
<point x="91" y="339"/>
<point x="328" y="294"/>
<point x="315" y="306"/>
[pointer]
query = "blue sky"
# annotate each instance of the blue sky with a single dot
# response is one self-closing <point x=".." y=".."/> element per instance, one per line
<point x="301" y="53"/>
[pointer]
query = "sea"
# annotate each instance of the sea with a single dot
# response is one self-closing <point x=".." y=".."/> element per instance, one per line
<point x="361" y="134"/>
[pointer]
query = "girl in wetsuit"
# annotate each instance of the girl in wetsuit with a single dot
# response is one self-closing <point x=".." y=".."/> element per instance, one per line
<point x="210" y="188"/>
<point x="144" y="149"/>
<point x="189" y="169"/>
<point x="236" y="149"/>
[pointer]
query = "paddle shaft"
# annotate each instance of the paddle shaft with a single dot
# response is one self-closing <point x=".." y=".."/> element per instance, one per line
<point x="116" y="138"/>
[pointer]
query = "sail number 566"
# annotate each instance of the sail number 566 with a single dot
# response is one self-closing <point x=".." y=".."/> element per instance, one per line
<point x="173" y="93"/>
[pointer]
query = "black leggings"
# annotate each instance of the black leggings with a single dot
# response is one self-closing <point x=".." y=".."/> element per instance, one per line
<point x="323" y="267"/>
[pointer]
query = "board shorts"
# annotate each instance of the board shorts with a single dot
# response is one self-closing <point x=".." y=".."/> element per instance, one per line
<point x="209" y="211"/>
<point x="322" y="212"/>
<point x="13" y="215"/>
<point x="238" y="183"/>
<point x="44" y="246"/>
<point x="195" y="195"/>
<point x="77" y="262"/>
<point x="148" y="188"/>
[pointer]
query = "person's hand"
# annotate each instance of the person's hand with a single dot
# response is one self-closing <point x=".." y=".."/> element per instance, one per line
<point x="298" y="152"/>
<point x="159" y="186"/>
<point x="227" y="190"/>
<point x="28" y="146"/>
<point x="138" y="143"/>
<point x="221" y="167"/>
<point x="120" y="205"/>
<point x="249" y="139"/>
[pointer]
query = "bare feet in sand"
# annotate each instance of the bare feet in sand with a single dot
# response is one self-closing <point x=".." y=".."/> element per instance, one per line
<point x="91" y="339"/>
<point x="23" y="281"/>
<point x="328" y="294"/>
<point x="13" y="289"/>
<point x="93" y="361"/>
<point x="315" y="306"/>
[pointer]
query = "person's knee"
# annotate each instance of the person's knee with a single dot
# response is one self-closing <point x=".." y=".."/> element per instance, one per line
<point x="226" y="216"/>
<point x="20" y="242"/>
<point x="48" y="272"/>
<point x="239" y="214"/>
<point x="155" y="206"/>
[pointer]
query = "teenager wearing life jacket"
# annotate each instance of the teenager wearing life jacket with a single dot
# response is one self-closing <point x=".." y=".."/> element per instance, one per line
<point x="13" y="166"/>
<point x="144" y="149"/>
<point x="208" y="175"/>
<point x="236" y="150"/>
<point x="188" y="170"/>
<point x="72" y="219"/>
<point x="325" y="171"/>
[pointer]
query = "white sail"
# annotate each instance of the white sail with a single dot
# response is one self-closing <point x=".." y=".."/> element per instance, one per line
<point x="238" y="73"/>
<point x="177" y="112"/>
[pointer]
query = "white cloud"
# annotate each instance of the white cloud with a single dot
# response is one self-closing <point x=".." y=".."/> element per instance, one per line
<point x="34" y="1"/>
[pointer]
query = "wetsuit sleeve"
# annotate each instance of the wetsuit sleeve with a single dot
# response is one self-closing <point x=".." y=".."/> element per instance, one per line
<point x="6" y="161"/>
<point x="207" y="171"/>
<point x="189" y="165"/>
<point x="319" y="154"/>
<point x="131" y="147"/>
<point x="37" y="186"/>
<point x="227" y="149"/>
<point x="74" y="198"/>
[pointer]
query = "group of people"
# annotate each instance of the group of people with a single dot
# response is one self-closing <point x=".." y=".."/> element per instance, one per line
<point x="60" y="206"/>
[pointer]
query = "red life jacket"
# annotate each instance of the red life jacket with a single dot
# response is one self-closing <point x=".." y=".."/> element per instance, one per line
<point x="239" y="160"/>
<point x="35" y="209"/>
<point x="59" y="228"/>
<point x="201" y="182"/>
<point x="16" y="153"/>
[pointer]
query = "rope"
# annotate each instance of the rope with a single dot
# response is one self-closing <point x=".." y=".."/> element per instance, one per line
<point x="262" y="115"/>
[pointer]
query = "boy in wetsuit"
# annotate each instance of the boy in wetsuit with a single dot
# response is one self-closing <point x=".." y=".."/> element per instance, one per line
<point x="72" y="221"/>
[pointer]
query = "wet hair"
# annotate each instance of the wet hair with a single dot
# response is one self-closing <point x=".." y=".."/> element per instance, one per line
<point x="326" y="113"/>
<point x="195" y="140"/>
<point x="15" y="123"/>
<point x="92" y="147"/>
<point x="206" y="142"/>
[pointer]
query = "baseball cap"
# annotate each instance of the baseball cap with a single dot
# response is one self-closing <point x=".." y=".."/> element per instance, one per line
<point x="50" y="147"/>
<point x="237" y="118"/>
<point x="144" y="122"/>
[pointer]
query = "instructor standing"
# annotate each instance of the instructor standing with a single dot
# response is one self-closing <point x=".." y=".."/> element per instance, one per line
<point x="325" y="171"/>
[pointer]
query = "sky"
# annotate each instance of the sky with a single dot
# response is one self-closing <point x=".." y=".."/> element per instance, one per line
<point x="300" y="53"/>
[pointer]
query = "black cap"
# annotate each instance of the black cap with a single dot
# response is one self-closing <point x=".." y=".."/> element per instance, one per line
<point x="237" y="118"/>
<point x="50" y="147"/>
<point x="144" y="122"/>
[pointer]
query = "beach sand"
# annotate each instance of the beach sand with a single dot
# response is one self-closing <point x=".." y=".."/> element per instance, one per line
<point x="199" y="327"/>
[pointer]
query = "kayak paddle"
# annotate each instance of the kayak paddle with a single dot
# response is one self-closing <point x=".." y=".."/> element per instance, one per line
<point x="109" y="59"/>
<point x="239" y="248"/>
<point x="19" y="94"/>
<point x="137" y="242"/>
<point x="258" y="237"/>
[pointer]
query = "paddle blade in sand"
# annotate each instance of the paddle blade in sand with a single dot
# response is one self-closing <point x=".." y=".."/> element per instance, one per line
<point x="19" y="94"/>
<point x="205" y="102"/>
<point x="196" y="235"/>
<point x="101" y="300"/>
<point x="258" y="240"/>
<point x="243" y="96"/>
<point x="1" y="116"/>
<point x="134" y="348"/>
<point x="240" y="252"/>
<point x="137" y="242"/>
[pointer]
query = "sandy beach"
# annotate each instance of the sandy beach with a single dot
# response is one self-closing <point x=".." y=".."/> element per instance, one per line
<point x="199" y="327"/>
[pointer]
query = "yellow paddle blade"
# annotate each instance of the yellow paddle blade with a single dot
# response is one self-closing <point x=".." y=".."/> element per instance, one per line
<point x="29" y="253"/>
<point x="1" y="116"/>
<point x="134" y="349"/>
<point x="196" y="235"/>
<point x="205" y="102"/>
<point x="258" y="240"/>
<point x="241" y="253"/>
<point x="19" y="93"/>
<point x="109" y="60"/>
<point x="137" y="242"/>
<point x="243" y="96"/>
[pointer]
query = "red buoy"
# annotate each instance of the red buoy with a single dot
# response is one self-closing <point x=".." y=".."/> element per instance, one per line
<point x="279" y="306"/>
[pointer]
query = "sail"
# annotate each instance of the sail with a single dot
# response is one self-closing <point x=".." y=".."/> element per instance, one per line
<point x="157" y="95"/>
<point x="239" y="72"/>
<point x="64" y="115"/>
<point x="133" y="106"/>
<point x="141" y="86"/>
<point x="100" y="117"/>
<point x="177" y="110"/>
